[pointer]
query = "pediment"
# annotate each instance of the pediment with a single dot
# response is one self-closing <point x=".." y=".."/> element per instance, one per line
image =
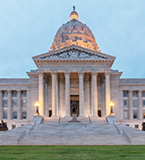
<point x="76" y="53"/>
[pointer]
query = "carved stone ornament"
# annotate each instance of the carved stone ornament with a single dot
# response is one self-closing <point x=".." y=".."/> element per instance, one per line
<point x="74" y="54"/>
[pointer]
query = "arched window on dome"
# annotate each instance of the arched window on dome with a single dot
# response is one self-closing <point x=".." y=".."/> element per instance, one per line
<point x="24" y="115"/>
<point x="14" y="115"/>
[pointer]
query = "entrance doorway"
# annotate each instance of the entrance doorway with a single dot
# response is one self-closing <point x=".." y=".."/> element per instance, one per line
<point x="74" y="101"/>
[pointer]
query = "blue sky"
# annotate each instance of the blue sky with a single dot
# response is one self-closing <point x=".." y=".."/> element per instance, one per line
<point x="27" y="28"/>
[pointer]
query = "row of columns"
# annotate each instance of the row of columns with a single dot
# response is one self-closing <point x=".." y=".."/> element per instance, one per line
<point x="10" y="105"/>
<point x="140" y="114"/>
<point x="81" y="93"/>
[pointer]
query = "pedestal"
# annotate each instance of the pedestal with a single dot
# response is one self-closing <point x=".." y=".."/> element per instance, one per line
<point x="37" y="119"/>
<point x="111" y="119"/>
<point x="74" y="118"/>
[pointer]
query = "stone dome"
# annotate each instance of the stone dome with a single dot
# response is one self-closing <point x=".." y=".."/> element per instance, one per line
<point x="74" y="32"/>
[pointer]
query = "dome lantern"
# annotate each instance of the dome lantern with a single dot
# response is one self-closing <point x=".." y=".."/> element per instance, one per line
<point x="74" y="14"/>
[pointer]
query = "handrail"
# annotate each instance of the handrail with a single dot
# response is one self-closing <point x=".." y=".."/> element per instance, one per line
<point x="59" y="119"/>
<point x="127" y="137"/>
<point x="117" y="128"/>
<point x="21" y="137"/>
<point x="32" y="128"/>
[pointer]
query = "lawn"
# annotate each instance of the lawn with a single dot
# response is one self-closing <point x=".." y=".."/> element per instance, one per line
<point x="72" y="152"/>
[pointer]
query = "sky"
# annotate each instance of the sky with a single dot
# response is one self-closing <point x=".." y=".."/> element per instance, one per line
<point x="27" y="28"/>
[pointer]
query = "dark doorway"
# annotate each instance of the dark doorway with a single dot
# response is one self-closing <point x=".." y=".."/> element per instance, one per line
<point x="50" y="113"/>
<point x="74" y="100"/>
<point x="99" y="113"/>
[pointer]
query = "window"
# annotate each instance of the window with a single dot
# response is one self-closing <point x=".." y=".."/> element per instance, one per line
<point x="5" y="94"/>
<point x="125" y="114"/>
<point x="13" y="126"/>
<point x="134" y="114"/>
<point x="14" y="115"/>
<point x="143" y="103"/>
<point x="125" y="93"/>
<point x="125" y="103"/>
<point x="143" y="94"/>
<point x="134" y="103"/>
<point x="5" y="103"/>
<point x="143" y="114"/>
<point x="15" y="103"/>
<point x="14" y="93"/>
<point x="24" y="94"/>
<point x="24" y="103"/>
<point x="5" y="115"/>
<point x="136" y="126"/>
<point x="134" y="94"/>
<point x="24" y="115"/>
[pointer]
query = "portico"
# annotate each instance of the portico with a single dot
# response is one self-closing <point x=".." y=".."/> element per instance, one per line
<point x="81" y="77"/>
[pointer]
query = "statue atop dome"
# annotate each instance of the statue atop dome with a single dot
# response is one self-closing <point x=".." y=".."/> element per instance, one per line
<point x="74" y="33"/>
<point x="74" y="14"/>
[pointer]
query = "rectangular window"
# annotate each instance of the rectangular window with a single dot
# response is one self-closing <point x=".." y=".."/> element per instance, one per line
<point x="24" y="103"/>
<point x="5" y="103"/>
<point x="143" y="112"/>
<point x="136" y="126"/>
<point x="14" y="94"/>
<point x="134" y="94"/>
<point x="125" y="114"/>
<point x="125" y="93"/>
<point x="125" y="103"/>
<point x="13" y="126"/>
<point x="143" y="103"/>
<point x="15" y="102"/>
<point x="24" y="94"/>
<point x="5" y="115"/>
<point x="143" y="94"/>
<point x="5" y="94"/>
<point x="134" y="103"/>
<point x="134" y="114"/>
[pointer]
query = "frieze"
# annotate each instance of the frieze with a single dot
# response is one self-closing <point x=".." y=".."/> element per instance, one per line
<point x="72" y="55"/>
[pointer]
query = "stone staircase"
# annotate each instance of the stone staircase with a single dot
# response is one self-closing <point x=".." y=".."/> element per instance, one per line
<point x="55" y="131"/>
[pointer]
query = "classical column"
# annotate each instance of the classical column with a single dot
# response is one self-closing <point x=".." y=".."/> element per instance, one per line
<point x="54" y="102"/>
<point x="9" y="104"/>
<point x="140" y="115"/>
<point x="1" y="105"/>
<point x="81" y="93"/>
<point x="46" y="97"/>
<point x="107" y="80"/>
<point x="67" y="93"/>
<point x="19" y="105"/>
<point x="94" y="94"/>
<point x="41" y="94"/>
<point x="130" y="105"/>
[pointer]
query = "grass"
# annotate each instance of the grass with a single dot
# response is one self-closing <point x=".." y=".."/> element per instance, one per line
<point x="72" y="152"/>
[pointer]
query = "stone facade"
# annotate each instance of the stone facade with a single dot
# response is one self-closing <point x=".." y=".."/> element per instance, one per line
<point x="73" y="72"/>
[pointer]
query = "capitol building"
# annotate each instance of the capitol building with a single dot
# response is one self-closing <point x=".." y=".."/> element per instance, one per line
<point x="73" y="70"/>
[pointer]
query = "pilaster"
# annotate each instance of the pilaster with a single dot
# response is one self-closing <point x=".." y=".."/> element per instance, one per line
<point x="1" y="104"/>
<point x="9" y="104"/>
<point x="67" y="93"/>
<point x="130" y="105"/>
<point x="19" y="105"/>
<point x="140" y="115"/>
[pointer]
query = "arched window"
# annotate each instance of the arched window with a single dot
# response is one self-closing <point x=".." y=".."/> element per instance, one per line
<point x="24" y="115"/>
<point x="15" y="115"/>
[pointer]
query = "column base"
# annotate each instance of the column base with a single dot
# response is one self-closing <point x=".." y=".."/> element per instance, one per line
<point x="111" y="119"/>
<point x="37" y="119"/>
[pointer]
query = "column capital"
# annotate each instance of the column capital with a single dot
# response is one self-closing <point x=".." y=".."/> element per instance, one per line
<point x="53" y="73"/>
<point x="19" y="91"/>
<point x="140" y="91"/>
<point x="40" y="72"/>
<point x="1" y="91"/>
<point x="66" y="72"/>
<point x="130" y="91"/>
<point x="9" y="91"/>
<point x="107" y="73"/>
<point x="94" y="73"/>
<point x="81" y="72"/>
